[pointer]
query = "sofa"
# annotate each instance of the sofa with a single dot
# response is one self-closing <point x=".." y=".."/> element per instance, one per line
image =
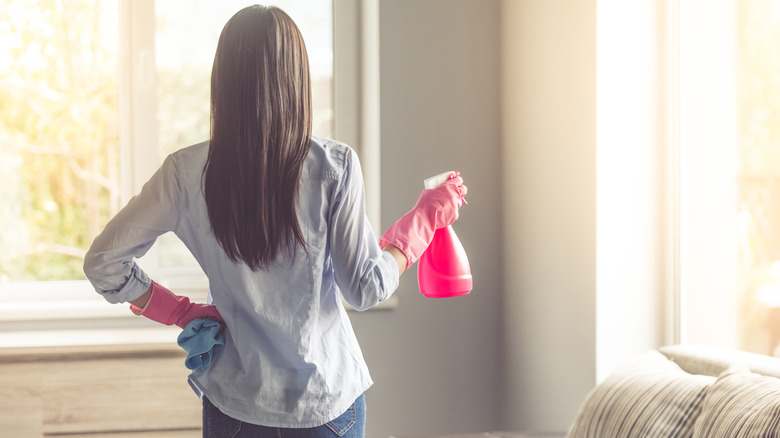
<point x="679" y="391"/>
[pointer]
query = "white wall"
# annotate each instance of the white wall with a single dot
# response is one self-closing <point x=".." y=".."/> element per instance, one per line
<point x="629" y="184"/>
<point x="549" y="157"/>
<point x="583" y="219"/>
<point x="436" y="362"/>
<point x="519" y="96"/>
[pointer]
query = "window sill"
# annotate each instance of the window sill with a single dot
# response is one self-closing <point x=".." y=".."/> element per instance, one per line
<point x="105" y="328"/>
<point x="35" y="343"/>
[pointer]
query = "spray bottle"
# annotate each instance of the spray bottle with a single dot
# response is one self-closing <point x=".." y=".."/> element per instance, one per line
<point x="443" y="270"/>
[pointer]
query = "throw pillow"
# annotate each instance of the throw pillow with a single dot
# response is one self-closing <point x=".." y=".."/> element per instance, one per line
<point x="648" y="397"/>
<point x="740" y="404"/>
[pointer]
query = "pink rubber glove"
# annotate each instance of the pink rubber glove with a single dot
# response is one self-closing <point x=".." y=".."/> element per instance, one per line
<point x="435" y="208"/>
<point x="166" y="308"/>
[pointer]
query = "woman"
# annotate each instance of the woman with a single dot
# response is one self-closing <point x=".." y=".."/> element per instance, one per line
<point x="276" y="219"/>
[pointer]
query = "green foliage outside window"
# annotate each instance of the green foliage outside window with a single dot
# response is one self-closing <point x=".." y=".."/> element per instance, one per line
<point x="58" y="134"/>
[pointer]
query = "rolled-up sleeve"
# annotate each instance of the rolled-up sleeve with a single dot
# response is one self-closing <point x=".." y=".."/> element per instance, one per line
<point x="365" y="274"/>
<point x="110" y="262"/>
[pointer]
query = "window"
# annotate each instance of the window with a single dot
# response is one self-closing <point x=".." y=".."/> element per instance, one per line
<point x="59" y="135"/>
<point x="729" y="174"/>
<point x="94" y="93"/>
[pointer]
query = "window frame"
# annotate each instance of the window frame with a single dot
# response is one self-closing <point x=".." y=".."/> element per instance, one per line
<point x="699" y="59"/>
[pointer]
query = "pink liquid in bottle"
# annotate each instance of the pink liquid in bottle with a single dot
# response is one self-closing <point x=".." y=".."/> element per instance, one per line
<point x="443" y="269"/>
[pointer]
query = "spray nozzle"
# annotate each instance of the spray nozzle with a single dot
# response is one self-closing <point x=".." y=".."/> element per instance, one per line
<point x="436" y="181"/>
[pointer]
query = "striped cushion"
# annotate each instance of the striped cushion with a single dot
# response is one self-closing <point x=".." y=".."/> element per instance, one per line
<point x="648" y="397"/>
<point x="739" y="405"/>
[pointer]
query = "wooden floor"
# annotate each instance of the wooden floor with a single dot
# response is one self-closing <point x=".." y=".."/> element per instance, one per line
<point x="138" y="434"/>
<point x="117" y="391"/>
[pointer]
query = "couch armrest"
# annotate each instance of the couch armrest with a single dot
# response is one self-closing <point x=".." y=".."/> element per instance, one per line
<point x="711" y="361"/>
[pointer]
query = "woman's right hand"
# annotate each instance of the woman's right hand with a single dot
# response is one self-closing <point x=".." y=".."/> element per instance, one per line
<point x="435" y="208"/>
<point x="441" y="204"/>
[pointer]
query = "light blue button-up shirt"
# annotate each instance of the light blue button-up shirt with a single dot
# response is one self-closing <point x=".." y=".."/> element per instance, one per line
<point x="291" y="358"/>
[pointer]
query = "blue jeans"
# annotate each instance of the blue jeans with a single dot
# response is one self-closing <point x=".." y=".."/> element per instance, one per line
<point x="351" y="424"/>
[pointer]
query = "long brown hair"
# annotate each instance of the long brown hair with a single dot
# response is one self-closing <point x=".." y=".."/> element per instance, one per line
<point x="260" y="134"/>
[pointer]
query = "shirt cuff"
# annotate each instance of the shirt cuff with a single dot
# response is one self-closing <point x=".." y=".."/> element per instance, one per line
<point x="136" y="285"/>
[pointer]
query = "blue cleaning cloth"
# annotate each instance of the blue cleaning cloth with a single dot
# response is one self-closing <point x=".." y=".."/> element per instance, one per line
<point x="201" y="338"/>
